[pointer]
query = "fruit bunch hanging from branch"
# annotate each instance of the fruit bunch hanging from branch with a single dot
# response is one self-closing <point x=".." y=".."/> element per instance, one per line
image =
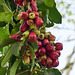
<point x="33" y="46"/>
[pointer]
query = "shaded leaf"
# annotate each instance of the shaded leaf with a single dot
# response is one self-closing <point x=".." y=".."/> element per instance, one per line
<point x="2" y="71"/>
<point x="6" y="58"/>
<point x="14" y="67"/>
<point x="15" y="48"/>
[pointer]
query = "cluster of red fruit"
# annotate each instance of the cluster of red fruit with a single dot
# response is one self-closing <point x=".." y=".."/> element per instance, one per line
<point x="32" y="29"/>
<point x="25" y="2"/>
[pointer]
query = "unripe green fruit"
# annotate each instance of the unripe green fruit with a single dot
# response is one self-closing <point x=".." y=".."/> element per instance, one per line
<point x="21" y="21"/>
<point x="37" y="32"/>
<point x="31" y="15"/>
<point x="28" y="52"/>
<point x="33" y="27"/>
<point x="47" y="35"/>
<point x="41" y="36"/>
<point x="40" y="13"/>
<point x="26" y="33"/>
<point x="42" y="29"/>
<point x="51" y="42"/>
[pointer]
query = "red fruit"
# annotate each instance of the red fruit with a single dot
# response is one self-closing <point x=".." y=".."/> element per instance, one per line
<point x="17" y="1"/>
<point x="49" y="66"/>
<point x="55" y="63"/>
<point x="42" y="51"/>
<point x="32" y="37"/>
<point x="33" y="3"/>
<point x="54" y="55"/>
<point x="24" y="15"/>
<point x="34" y="8"/>
<point x="30" y="22"/>
<point x="36" y="14"/>
<point x="16" y="37"/>
<point x="52" y="38"/>
<point x="50" y="48"/>
<point x="23" y="26"/>
<point x="39" y="22"/>
<point x="49" y="60"/>
<point x="28" y="0"/>
<point x="43" y="62"/>
<point x="45" y="41"/>
<point x="29" y="11"/>
<point x="39" y="43"/>
<point x="37" y="54"/>
<point x="59" y="46"/>
<point x="58" y="52"/>
<point x="20" y="4"/>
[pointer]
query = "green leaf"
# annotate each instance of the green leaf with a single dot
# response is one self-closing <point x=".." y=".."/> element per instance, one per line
<point x="1" y="9"/>
<point x="14" y="67"/>
<point x="6" y="41"/>
<point x="2" y="71"/>
<point x="54" y="15"/>
<point x="52" y="71"/>
<point x="4" y="32"/>
<point x="49" y="3"/>
<point x="7" y="17"/>
<point x="6" y="58"/>
<point x="33" y="55"/>
<point x="15" y="48"/>
<point x="34" y="45"/>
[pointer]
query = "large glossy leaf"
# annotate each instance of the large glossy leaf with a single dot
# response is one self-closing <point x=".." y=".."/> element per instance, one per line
<point x="6" y="42"/>
<point x="15" y="48"/>
<point x="6" y="58"/>
<point x="52" y="71"/>
<point x="14" y="67"/>
<point x="54" y="15"/>
<point x="4" y="32"/>
<point x="49" y="3"/>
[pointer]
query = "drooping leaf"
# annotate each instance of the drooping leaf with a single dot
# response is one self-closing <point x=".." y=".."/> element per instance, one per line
<point x="6" y="42"/>
<point x="2" y="71"/>
<point x="54" y="15"/>
<point x="4" y="32"/>
<point x="34" y="45"/>
<point x="49" y="3"/>
<point x="15" y="48"/>
<point x="14" y="67"/>
<point x="33" y="56"/>
<point x="6" y="58"/>
<point x="52" y="71"/>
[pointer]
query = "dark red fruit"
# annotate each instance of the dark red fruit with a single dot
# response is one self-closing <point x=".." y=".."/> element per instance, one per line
<point x="23" y="26"/>
<point x="54" y="55"/>
<point x="18" y="1"/>
<point x="55" y="63"/>
<point x="16" y="37"/>
<point x="43" y="62"/>
<point x="28" y="0"/>
<point x="58" y="52"/>
<point x="59" y="46"/>
<point x="39" y="22"/>
<point x="39" y="43"/>
<point x="52" y="38"/>
<point x="49" y="60"/>
<point x="20" y="4"/>
<point x="50" y="48"/>
<point x="36" y="54"/>
<point x="45" y="41"/>
<point x="32" y="36"/>
<point x="42" y="51"/>
<point x="49" y="66"/>
<point x="36" y="13"/>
